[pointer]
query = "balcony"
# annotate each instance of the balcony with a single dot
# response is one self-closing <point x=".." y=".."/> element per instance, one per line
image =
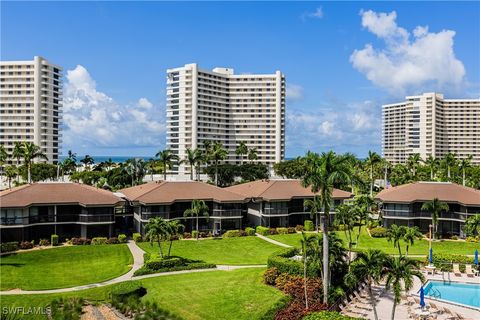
<point x="422" y="214"/>
<point x="274" y="211"/>
<point x="149" y="215"/>
<point x="73" y="218"/>
<point x="227" y="213"/>
<point x="95" y="218"/>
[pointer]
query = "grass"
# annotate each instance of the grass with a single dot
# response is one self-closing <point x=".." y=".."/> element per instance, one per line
<point x="229" y="251"/>
<point x="63" y="267"/>
<point x="366" y="242"/>
<point x="238" y="294"/>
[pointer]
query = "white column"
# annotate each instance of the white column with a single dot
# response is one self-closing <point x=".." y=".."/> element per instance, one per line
<point x="37" y="100"/>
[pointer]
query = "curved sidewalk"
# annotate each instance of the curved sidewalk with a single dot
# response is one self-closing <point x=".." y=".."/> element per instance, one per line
<point x="273" y="241"/>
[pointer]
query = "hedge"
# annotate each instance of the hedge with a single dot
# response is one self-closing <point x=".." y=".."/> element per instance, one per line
<point x="284" y="264"/>
<point x="444" y="261"/>
<point x="282" y="230"/>
<point x="137" y="237"/>
<point x="127" y="289"/>
<point x="378" y="232"/>
<point x="308" y="225"/>
<point x="327" y="315"/>
<point x="122" y="238"/>
<point x="277" y="306"/>
<point x="54" y="239"/>
<point x="171" y="264"/>
<point x="250" y="231"/>
<point x="264" y="231"/>
<point x="99" y="240"/>
<point x="234" y="233"/>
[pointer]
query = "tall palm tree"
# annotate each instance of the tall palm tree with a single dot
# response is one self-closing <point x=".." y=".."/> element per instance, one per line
<point x="369" y="265"/>
<point x="305" y="242"/>
<point x="400" y="271"/>
<point x="156" y="230"/>
<point x="472" y="225"/>
<point x="151" y="167"/>
<point x="464" y="164"/>
<point x="252" y="154"/>
<point x="449" y="161"/>
<point x="17" y="152"/>
<point x="242" y="150"/>
<point x="411" y="234"/>
<point x="201" y="159"/>
<point x="432" y="164"/>
<point x="355" y="168"/>
<point x="135" y="167"/>
<point x="217" y="154"/>
<point x="198" y="208"/>
<point x="345" y="215"/>
<point x="363" y="205"/>
<point x="87" y="161"/>
<point x="166" y="159"/>
<point x="191" y="159"/>
<point x="321" y="174"/>
<point x="395" y="235"/>
<point x="435" y="207"/>
<point x="3" y="161"/>
<point x="30" y="152"/>
<point x="174" y="228"/>
<point x="315" y="207"/>
<point x="11" y="173"/>
<point x="412" y="163"/>
<point x="372" y="159"/>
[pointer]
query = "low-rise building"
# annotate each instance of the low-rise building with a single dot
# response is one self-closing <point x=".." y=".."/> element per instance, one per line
<point x="36" y="211"/>
<point x="402" y="205"/>
<point x="170" y="199"/>
<point x="280" y="203"/>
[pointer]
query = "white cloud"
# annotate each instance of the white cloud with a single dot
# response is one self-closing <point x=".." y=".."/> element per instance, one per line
<point x="294" y="92"/>
<point x="427" y="61"/>
<point x="317" y="14"/>
<point x="92" y="119"/>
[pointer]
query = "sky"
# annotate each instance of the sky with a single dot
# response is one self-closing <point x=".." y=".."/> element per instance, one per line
<point x="342" y="61"/>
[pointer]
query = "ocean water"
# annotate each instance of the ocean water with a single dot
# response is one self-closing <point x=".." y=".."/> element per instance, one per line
<point x="116" y="159"/>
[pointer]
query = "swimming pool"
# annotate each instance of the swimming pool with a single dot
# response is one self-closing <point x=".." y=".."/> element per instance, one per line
<point x="463" y="293"/>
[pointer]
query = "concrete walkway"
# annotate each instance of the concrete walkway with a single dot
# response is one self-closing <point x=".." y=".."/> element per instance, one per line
<point x="137" y="254"/>
<point x="273" y="241"/>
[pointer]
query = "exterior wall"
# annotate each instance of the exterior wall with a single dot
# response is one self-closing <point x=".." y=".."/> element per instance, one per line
<point x="431" y="125"/>
<point x="219" y="106"/>
<point x="31" y="105"/>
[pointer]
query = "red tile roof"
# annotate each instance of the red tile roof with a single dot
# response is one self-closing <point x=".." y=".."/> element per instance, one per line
<point x="426" y="191"/>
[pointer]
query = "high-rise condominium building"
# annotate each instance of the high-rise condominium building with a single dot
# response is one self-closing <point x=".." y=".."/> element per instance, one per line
<point x="220" y="106"/>
<point x="428" y="125"/>
<point x="31" y="105"/>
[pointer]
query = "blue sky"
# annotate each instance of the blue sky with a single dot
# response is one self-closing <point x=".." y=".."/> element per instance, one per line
<point x="342" y="60"/>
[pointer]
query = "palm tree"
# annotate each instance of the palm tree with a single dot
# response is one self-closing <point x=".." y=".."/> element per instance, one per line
<point x="17" y="152"/>
<point x="198" y="208"/>
<point x="156" y="230"/>
<point x="315" y="207"/>
<point x="241" y="150"/>
<point x="345" y="215"/>
<point x="368" y="265"/>
<point x="372" y="159"/>
<point x="321" y="174"/>
<point x="30" y="152"/>
<point x="135" y="167"/>
<point x="151" y="167"/>
<point x="3" y="160"/>
<point x="174" y="228"/>
<point x="201" y="159"/>
<point x="11" y="173"/>
<point x="252" y="154"/>
<point x="395" y="234"/>
<point x="464" y="164"/>
<point x="166" y="159"/>
<point x="412" y="163"/>
<point x="192" y="159"/>
<point x="472" y="225"/>
<point x="217" y="154"/>
<point x="432" y="164"/>
<point x="449" y="161"/>
<point x="305" y="243"/>
<point x="411" y="234"/>
<point x="87" y="161"/>
<point x="435" y="207"/>
<point x="355" y="168"/>
<point x="363" y="205"/>
<point x="400" y="270"/>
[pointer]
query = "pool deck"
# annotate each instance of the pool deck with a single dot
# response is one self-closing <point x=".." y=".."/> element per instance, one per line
<point x="384" y="305"/>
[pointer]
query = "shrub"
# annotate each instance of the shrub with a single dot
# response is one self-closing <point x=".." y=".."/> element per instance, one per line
<point x="66" y="308"/>
<point x="327" y="315"/>
<point x="112" y="240"/>
<point x="284" y="264"/>
<point x="187" y="235"/>
<point x="282" y="230"/>
<point x="171" y="264"/>
<point x="122" y="238"/>
<point x="195" y="233"/>
<point x="272" y="231"/>
<point x="99" y="240"/>
<point x="378" y="232"/>
<point x="341" y="227"/>
<point x="264" y="231"/>
<point x="444" y="261"/>
<point x="250" y="231"/>
<point x="308" y="225"/>
<point x="147" y="256"/>
<point x="202" y="234"/>
<point x="126" y="289"/>
<point x="54" y="239"/>
<point x="373" y="224"/>
<point x="81" y="241"/>
<point x="471" y="239"/>
<point x="454" y="237"/>
<point x="292" y="230"/>
<point x="281" y="304"/>
<point x="270" y="275"/>
<point x="299" y="227"/>
<point x="44" y="242"/>
<point x="24" y="245"/>
<point x="137" y="237"/>
<point x="234" y="233"/>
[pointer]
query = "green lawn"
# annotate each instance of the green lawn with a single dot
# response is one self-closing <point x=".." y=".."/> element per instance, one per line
<point x="64" y="267"/>
<point x="238" y="294"/>
<point x="230" y="251"/>
<point x="366" y="242"/>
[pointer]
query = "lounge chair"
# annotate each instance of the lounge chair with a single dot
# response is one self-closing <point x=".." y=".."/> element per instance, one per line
<point x="449" y="313"/>
<point x="469" y="270"/>
<point x="459" y="316"/>
<point x="456" y="270"/>
<point x="434" y="308"/>
<point x="410" y="301"/>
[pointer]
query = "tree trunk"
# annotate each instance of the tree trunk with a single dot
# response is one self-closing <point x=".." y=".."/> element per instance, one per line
<point x="393" y="309"/>
<point x="216" y="173"/>
<point x="305" y="278"/>
<point x="326" y="264"/>
<point x="448" y="172"/>
<point x="160" y="246"/>
<point x="170" y="246"/>
<point x="165" y="172"/>
<point x="372" y="299"/>
<point x="371" y="181"/>
<point x="463" y="176"/>
<point x="316" y="222"/>
<point x="29" y="173"/>
<point x="399" y="249"/>
<point x="431" y="174"/>
<point x="197" y="228"/>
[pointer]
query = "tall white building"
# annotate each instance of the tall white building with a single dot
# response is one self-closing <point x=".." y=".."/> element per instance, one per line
<point x="428" y="125"/>
<point x="221" y="106"/>
<point x="31" y="105"/>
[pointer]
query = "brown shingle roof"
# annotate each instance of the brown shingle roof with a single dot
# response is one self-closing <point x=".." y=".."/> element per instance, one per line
<point x="171" y="191"/>
<point x="426" y="191"/>
<point x="279" y="190"/>
<point x="57" y="193"/>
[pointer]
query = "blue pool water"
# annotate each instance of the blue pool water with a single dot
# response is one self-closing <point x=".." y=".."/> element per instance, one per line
<point x="464" y="293"/>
